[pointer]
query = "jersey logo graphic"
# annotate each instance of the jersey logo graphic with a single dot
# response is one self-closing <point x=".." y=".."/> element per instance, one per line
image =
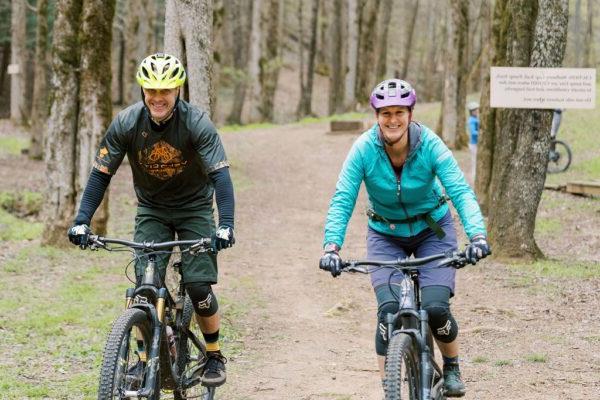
<point x="204" y="304"/>
<point x="103" y="152"/>
<point x="162" y="160"/>
<point x="445" y="330"/>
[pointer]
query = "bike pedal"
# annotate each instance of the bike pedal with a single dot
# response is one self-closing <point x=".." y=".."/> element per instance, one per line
<point x="195" y="376"/>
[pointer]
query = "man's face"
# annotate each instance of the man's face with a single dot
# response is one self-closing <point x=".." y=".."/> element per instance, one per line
<point x="160" y="102"/>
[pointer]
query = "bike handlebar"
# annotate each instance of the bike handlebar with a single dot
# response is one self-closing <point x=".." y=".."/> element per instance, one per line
<point x="454" y="259"/>
<point x="196" y="246"/>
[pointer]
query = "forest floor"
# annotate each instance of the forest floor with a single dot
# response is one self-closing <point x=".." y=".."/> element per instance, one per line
<point x="528" y="331"/>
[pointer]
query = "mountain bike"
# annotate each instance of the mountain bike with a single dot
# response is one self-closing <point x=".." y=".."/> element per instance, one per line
<point x="559" y="158"/>
<point x="410" y="368"/>
<point x="153" y="345"/>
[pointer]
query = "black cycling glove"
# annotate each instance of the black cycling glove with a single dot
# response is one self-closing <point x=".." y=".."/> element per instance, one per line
<point x="331" y="261"/>
<point x="478" y="249"/>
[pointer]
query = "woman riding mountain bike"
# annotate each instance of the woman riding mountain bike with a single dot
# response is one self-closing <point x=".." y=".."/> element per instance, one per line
<point x="405" y="167"/>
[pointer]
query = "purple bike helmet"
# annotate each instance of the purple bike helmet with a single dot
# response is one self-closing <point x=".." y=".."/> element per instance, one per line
<point x="393" y="92"/>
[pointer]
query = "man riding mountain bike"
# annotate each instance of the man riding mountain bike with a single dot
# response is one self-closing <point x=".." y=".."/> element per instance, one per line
<point x="178" y="164"/>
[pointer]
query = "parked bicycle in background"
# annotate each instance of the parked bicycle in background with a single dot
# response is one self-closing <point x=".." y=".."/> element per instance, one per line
<point x="559" y="158"/>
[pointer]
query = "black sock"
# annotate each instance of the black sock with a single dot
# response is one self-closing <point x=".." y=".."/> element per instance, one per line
<point x="450" y="360"/>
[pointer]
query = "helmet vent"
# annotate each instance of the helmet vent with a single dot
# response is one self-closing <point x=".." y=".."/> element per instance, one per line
<point x="145" y="72"/>
<point x="379" y="96"/>
<point x="174" y="73"/>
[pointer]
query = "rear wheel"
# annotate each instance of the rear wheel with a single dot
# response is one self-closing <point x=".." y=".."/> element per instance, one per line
<point x="401" y="371"/>
<point x="559" y="158"/>
<point x="124" y="364"/>
<point x="191" y="358"/>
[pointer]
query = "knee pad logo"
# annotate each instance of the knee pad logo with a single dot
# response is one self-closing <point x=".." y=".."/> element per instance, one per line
<point x="445" y="330"/>
<point x="383" y="331"/>
<point x="204" y="304"/>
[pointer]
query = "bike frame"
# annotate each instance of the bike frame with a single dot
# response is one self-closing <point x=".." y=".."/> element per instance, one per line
<point x="152" y="297"/>
<point x="160" y="295"/>
<point x="400" y="322"/>
<point x="412" y="319"/>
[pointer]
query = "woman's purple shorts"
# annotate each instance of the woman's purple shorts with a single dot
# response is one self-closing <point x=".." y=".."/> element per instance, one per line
<point x="382" y="247"/>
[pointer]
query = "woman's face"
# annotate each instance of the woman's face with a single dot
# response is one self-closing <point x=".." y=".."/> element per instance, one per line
<point x="393" y="122"/>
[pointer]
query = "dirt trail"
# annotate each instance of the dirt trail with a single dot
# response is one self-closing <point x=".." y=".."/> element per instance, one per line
<point x="308" y="336"/>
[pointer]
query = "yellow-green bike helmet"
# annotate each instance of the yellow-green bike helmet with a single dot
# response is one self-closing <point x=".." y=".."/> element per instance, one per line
<point x="160" y="71"/>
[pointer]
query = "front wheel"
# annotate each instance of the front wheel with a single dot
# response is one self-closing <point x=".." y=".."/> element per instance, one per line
<point x="191" y="358"/>
<point x="401" y="369"/>
<point x="124" y="364"/>
<point x="559" y="158"/>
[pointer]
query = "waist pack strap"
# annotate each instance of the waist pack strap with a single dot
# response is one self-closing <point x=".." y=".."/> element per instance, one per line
<point x="431" y="223"/>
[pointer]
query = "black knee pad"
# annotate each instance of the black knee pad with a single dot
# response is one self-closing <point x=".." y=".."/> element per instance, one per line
<point x="387" y="304"/>
<point x="435" y="300"/>
<point x="203" y="298"/>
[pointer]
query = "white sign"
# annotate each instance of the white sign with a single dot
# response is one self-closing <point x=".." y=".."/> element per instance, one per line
<point x="513" y="87"/>
<point x="13" y="69"/>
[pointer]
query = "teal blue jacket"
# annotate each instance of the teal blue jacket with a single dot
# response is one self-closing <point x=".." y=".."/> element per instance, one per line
<point x="429" y="167"/>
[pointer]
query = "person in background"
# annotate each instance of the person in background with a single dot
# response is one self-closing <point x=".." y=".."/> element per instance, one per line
<point x="473" y="124"/>
<point x="406" y="167"/>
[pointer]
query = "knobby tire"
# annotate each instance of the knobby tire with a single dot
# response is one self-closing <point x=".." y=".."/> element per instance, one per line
<point x="401" y="369"/>
<point x="116" y="375"/>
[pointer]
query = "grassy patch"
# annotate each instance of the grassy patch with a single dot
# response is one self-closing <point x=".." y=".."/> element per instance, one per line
<point x="503" y="363"/>
<point x="13" y="228"/>
<point x="593" y="339"/>
<point x="480" y="359"/>
<point x="546" y="226"/>
<point x="590" y="167"/>
<point x="13" y="145"/>
<point x="560" y="269"/>
<point x="23" y="203"/>
<point x="536" y="358"/>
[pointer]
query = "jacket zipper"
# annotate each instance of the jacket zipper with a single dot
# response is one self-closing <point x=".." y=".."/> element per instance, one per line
<point x="399" y="190"/>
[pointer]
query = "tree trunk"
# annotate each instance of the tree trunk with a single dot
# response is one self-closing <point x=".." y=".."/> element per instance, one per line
<point x="336" y="77"/>
<point x="254" y="90"/>
<point x="385" y="15"/>
<point x="94" y="94"/>
<point x="18" y="60"/>
<point x="530" y="34"/>
<point x="456" y="74"/>
<point x="352" y="56"/>
<point x="188" y="36"/>
<point x="39" y="112"/>
<point x="306" y="84"/>
<point x="429" y="74"/>
<point x="410" y="30"/>
<point x="589" y="36"/>
<point x="59" y="155"/>
<point x="270" y="62"/>
<point x="366" y="50"/>
<point x="577" y="42"/>
<point x="237" y="16"/>
<point x="138" y="33"/>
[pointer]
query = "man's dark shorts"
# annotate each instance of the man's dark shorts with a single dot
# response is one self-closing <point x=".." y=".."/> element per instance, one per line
<point x="161" y="225"/>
